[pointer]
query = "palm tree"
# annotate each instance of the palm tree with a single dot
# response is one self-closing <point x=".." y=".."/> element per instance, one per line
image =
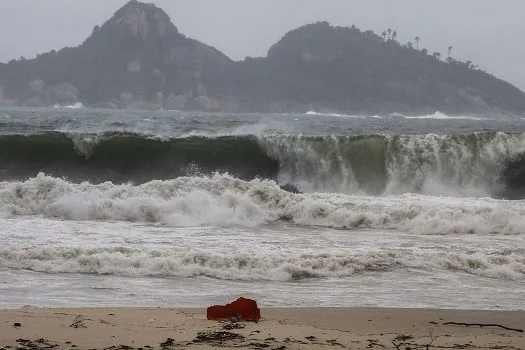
<point x="417" y="39"/>
<point x="383" y="34"/>
<point x="449" y="50"/>
<point x="394" y="35"/>
<point x="389" y="31"/>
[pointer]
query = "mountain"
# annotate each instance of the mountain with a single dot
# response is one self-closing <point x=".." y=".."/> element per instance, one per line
<point x="136" y="59"/>
<point x="139" y="59"/>
<point x="349" y="70"/>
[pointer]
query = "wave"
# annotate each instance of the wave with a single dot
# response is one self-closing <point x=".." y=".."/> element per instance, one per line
<point x="257" y="266"/>
<point x="327" y="114"/>
<point x="442" y="116"/>
<point x="437" y="116"/>
<point x="473" y="164"/>
<point x="77" y="105"/>
<point x="222" y="200"/>
<point x="122" y="157"/>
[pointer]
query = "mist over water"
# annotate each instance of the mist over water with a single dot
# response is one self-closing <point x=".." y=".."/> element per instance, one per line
<point x="134" y="201"/>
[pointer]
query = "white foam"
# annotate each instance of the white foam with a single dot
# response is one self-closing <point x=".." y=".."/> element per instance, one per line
<point x="327" y="114"/>
<point x="510" y="266"/>
<point x="244" y="130"/>
<point x="182" y="263"/>
<point x="180" y="202"/>
<point x="77" y="105"/>
<point x="442" y="116"/>
<point x="451" y="165"/>
<point x="225" y="201"/>
<point x="85" y="143"/>
<point x="257" y="265"/>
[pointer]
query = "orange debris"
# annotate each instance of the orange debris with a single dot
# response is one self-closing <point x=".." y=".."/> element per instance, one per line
<point x="241" y="309"/>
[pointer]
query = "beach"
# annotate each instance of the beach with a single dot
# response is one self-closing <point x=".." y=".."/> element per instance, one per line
<point x="279" y="328"/>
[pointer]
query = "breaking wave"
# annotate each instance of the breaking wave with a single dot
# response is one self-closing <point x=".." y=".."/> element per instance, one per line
<point x="225" y="201"/>
<point x="442" y="116"/>
<point x="327" y="114"/>
<point x="222" y="200"/>
<point x="256" y="266"/>
<point x="474" y="164"/>
<point x="77" y="105"/>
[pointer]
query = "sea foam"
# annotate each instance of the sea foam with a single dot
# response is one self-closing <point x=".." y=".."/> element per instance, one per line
<point x="224" y="200"/>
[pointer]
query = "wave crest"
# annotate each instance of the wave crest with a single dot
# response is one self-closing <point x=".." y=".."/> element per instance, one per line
<point x="475" y="164"/>
<point x="270" y="267"/>
<point x="224" y="200"/>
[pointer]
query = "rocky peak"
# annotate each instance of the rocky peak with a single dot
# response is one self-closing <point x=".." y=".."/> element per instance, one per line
<point x="143" y="20"/>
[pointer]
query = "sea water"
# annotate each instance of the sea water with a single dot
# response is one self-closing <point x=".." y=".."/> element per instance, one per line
<point x="167" y="208"/>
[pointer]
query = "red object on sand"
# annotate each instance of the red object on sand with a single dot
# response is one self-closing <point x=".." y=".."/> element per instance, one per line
<point x="242" y="309"/>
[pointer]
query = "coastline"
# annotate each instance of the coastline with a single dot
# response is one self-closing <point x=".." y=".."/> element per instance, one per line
<point x="280" y="328"/>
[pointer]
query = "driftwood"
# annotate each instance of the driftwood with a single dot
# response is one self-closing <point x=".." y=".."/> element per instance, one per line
<point x="483" y="325"/>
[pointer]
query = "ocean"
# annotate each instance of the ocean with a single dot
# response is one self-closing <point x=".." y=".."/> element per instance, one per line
<point x="181" y="209"/>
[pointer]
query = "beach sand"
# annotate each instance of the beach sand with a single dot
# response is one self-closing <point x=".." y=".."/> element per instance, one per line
<point x="294" y="328"/>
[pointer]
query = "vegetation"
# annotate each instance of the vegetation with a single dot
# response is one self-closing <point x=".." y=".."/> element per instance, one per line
<point x="354" y="70"/>
<point x="141" y="54"/>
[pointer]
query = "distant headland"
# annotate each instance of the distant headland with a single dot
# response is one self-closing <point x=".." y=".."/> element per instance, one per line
<point x="138" y="59"/>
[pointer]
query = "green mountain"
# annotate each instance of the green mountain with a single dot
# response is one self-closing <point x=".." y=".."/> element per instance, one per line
<point x="139" y="59"/>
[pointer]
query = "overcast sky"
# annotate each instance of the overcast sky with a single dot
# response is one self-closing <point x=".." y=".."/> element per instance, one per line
<point x="491" y="33"/>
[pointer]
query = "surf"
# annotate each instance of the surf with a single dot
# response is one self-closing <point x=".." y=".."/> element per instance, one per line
<point x="472" y="164"/>
<point x="223" y="200"/>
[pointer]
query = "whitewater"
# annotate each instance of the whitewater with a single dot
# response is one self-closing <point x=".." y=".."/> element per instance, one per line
<point x="168" y="208"/>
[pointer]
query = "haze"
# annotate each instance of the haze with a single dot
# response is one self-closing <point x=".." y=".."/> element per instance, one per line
<point x="487" y="32"/>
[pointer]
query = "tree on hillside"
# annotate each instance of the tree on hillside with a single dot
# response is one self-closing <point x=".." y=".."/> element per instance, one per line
<point x="437" y="55"/>
<point x="383" y="34"/>
<point x="389" y="31"/>
<point x="394" y="35"/>
<point x="449" y="51"/>
<point x="416" y="40"/>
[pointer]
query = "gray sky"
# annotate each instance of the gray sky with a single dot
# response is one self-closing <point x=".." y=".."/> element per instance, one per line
<point x="488" y="32"/>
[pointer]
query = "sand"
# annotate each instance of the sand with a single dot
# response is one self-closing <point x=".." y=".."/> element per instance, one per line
<point x="294" y="328"/>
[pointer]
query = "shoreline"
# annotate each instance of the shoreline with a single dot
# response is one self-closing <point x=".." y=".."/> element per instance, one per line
<point x="279" y="328"/>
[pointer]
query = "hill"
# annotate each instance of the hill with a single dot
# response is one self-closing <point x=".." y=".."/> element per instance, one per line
<point x="139" y="59"/>
<point x="349" y="70"/>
